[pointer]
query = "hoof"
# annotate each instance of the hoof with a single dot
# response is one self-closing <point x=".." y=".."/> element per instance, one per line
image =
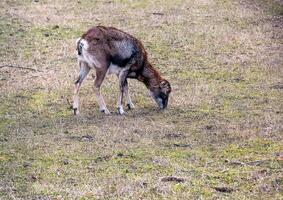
<point x="130" y="106"/>
<point x="105" y="111"/>
<point x="76" y="111"/>
<point x="120" y="111"/>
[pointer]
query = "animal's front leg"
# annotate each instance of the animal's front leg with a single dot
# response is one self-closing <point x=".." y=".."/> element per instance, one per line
<point x="130" y="104"/>
<point x="122" y="84"/>
<point x="100" y="75"/>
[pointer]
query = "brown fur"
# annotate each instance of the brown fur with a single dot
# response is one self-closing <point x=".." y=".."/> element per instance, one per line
<point x="101" y="37"/>
<point x="107" y="46"/>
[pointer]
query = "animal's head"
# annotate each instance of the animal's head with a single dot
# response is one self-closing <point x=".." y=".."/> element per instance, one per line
<point x="161" y="93"/>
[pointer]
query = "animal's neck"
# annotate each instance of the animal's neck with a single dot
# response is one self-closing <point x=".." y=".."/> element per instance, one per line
<point x="150" y="77"/>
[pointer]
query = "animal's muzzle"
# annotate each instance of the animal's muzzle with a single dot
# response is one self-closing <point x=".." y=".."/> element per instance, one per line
<point x="165" y="103"/>
<point x="162" y="103"/>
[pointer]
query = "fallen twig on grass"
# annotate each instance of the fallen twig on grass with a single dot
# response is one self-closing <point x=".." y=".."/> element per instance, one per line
<point x="172" y="178"/>
<point x="256" y="162"/>
<point x="182" y="145"/>
<point x="235" y="162"/>
<point x="158" y="13"/>
<point x="18" y="67"/>
<point x="224" y="189"/>
<point x="84" y="138"/>
<point x="70" y="104"/>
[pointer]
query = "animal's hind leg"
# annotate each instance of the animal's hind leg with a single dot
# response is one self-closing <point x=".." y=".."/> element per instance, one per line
<point x="84" y="69"/>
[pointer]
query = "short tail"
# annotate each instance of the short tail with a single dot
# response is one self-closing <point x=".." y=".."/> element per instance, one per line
<point x="79" y="46"/>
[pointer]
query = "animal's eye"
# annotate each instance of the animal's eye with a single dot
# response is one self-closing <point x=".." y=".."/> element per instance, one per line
<point x="163" y="84"/>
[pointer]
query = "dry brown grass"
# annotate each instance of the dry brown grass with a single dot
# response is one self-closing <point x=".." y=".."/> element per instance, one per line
<point x="221" y="133"/>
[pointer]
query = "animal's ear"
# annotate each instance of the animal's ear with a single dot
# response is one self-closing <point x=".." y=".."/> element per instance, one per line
<point x="163" y="84"/>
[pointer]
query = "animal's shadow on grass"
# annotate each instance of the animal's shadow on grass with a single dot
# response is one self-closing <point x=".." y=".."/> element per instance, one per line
<point x="170" y="114"/>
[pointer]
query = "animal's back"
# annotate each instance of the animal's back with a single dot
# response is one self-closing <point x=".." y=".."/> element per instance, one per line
<point x="118" y="46"/>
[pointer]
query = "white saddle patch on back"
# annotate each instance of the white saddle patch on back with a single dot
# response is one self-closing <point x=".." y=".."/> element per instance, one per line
<point x="114" y="69"/>
<point x="124" y="47"/>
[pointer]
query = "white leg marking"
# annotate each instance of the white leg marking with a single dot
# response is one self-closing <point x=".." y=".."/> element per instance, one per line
<point x="84" y="69"/>
<point x="76" y="101"/>
<point x="122" y="83"/>
<point x="120" y="106"/>
<point x="101" y="102"/>
<point x="130" y="104"/>
<point x="100" y="75"/>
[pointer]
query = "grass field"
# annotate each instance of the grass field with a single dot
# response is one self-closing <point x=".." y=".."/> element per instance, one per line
<point x="220" y="138"/>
